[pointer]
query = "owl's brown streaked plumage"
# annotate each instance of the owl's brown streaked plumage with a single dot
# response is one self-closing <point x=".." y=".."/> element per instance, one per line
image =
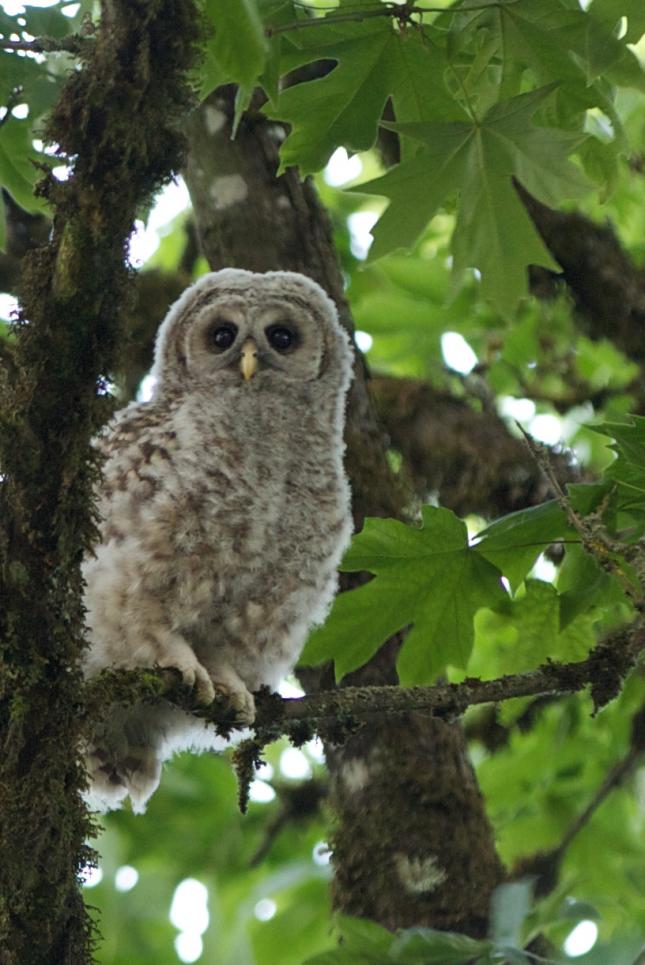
<point x="225" y="512"/>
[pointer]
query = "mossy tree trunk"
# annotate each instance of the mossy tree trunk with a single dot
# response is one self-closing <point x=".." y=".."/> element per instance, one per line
<point x="117" y="118"/>
<point x="411" y="841"/>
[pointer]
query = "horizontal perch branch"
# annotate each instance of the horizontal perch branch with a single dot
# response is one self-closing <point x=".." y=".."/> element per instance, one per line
<point x="604" y="670"/>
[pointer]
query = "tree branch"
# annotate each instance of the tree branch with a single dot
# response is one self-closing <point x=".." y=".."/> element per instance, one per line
<point x="487" y="729"/>
<point x="608" y="288"/>
<point x="468" y="457"/>
<point x="343" y="709"/>
<point x="74" y="44"/>
<point x="615" y="777"/>
<point x="594" y="536"/>
<point x="298" y="803"/>
<point x="401" y="12"/>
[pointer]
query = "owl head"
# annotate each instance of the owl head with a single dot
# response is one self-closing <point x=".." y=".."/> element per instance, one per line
<point x="236" y="328"/>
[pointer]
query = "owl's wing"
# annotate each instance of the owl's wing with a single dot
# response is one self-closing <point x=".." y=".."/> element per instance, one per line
<point x="136" y="422"/>
<point x="137" y="436"/>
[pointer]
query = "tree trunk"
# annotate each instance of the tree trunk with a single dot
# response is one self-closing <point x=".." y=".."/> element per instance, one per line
<point x="116" y="120"/>
<point x="411" y="843"/>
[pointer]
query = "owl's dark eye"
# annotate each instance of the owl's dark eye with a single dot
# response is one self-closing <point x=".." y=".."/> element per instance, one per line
<point x="281" y="337"/>
<point x="222" y="336"/>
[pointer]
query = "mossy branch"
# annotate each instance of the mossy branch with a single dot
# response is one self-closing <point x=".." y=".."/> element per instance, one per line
<point x="117" y="123"/>
<point x="335" y="715"/>
<point x="343" y="709"/>
<point x="73" y="44"/>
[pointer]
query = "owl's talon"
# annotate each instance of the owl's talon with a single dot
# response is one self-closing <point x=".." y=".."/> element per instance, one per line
<point x="240" y="700"/>
<point x="203" y="686"/>
<point x="196" y="678"/>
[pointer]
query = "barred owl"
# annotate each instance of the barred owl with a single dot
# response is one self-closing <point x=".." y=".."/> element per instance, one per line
<point x="225" y="512"/>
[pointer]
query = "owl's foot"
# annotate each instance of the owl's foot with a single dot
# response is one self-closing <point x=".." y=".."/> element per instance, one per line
<point x="241" y="701"/>
<point x="193" y="675"/>
<point x="229" y="685"/>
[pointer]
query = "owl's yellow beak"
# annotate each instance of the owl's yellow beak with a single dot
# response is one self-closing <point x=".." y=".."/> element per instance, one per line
<point x="249" y="359"/>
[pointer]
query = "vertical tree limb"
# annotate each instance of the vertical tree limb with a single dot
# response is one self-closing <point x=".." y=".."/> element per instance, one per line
<point x="116" y="121"/>
<point x="411" y="841"/>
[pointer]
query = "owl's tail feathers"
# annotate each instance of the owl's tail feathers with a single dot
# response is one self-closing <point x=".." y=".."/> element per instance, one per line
<point x="112" y="779"/>
<point x="142" y="774"/>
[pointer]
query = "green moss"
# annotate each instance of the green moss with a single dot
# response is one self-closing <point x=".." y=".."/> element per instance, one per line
<point x="118" y="118"/>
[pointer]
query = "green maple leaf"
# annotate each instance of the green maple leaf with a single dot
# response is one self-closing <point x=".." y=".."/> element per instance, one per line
<point x="578" y="49"/>
<point x="628" y="469"/>
<point x="628" y="440"/>
<point x="237" y="50"/>
<point x="583" y="584"/>
<point x="528" y="633"/>
<point x="429" y="578"/>
<point x="559" y="43"/>
<point x="568" y="46"/>
<point x="612" y="11"/>
<point x="479" y="159"/>
<point x="345" y="106"/>
<point x="18" y="174"/>
<point x="514" y="542"/>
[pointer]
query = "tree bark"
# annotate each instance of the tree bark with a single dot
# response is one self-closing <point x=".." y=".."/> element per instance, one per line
<point x="411" y="843"/>
<point x="116" y="121"/>
<point x="469" y="458"/>
<point x="608" y="289"/>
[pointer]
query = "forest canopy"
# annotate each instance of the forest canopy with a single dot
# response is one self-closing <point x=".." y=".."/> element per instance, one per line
<point x="482" y="165"/>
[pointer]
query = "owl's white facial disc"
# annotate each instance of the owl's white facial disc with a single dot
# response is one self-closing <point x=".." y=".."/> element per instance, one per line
<point x="282" y="336"/>
<point x="281" y="320"/>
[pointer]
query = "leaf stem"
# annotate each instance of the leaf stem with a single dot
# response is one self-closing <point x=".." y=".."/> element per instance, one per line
<point x="338" y="18"/>
<point x="593" y="535"/>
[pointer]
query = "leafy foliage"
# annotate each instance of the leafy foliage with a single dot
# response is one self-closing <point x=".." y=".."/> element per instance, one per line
<point x="466" y="84"/>
<point x="463" y="87"/>
<point x="628" y="470"/>
<point x="374" y="64"/>
<point x="27" y="80"/>
<point x="479" y="160"/>
<point x="16" y="157"/>
<point x="429" y="578"/>
<point x="363" y="941"/>
<point x="436" y="581"/>
<point x="238" y="48"/>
